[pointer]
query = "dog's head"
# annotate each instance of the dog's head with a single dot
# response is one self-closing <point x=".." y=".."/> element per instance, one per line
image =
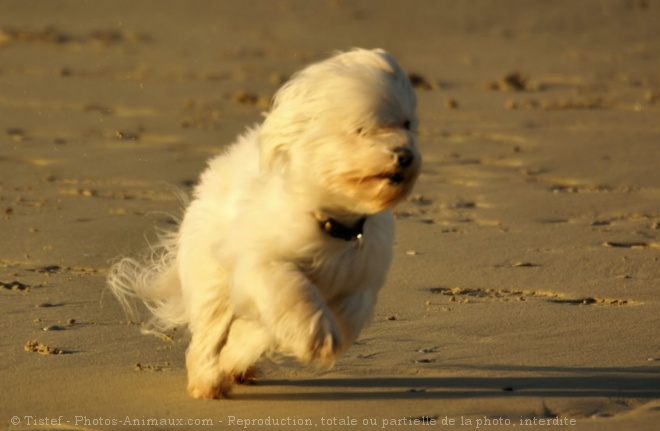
<point x="344" y="131"/>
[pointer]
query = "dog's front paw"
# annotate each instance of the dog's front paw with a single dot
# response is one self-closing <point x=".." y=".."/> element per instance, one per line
<point x="325" y="341"/>
<point x="247" y="377"/>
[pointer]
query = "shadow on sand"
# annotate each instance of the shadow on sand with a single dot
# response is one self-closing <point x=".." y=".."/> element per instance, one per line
<point x="639" y="382"/>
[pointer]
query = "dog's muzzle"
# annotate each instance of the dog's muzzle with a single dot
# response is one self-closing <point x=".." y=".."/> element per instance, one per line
<point x="404" y="158"/>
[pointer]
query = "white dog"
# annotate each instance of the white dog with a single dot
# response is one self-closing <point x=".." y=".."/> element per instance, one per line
<point x="288" y="238"/>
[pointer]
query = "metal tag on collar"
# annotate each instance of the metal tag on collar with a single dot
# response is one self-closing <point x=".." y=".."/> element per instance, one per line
<point x="360" y="241"/>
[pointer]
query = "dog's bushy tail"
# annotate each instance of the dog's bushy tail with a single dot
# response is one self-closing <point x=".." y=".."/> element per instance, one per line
<point x="154" y="281"/>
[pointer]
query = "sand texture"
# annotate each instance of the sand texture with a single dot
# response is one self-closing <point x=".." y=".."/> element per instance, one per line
<point x="526" y="276"/>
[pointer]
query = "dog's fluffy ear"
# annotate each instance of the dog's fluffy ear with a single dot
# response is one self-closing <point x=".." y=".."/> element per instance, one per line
<point x="287" y="121"/>
<point x="273" y="156"/>
<point x="284" y="124"/>
<point x="275" y="143"/>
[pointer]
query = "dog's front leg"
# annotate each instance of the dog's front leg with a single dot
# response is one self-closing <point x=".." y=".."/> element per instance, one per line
<point x="290" y="306"/>
<point x="352" y="313"/>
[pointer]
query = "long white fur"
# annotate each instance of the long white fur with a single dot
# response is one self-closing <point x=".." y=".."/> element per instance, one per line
<point x="250" y="272"/>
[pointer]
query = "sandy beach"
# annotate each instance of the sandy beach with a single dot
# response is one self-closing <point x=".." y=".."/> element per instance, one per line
<point x="524" y="291"/>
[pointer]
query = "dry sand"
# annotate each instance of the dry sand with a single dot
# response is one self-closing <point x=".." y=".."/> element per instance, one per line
<point x="526" y="277"/>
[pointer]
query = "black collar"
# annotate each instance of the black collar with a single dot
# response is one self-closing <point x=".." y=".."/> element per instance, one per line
<point x="337" y="230"/>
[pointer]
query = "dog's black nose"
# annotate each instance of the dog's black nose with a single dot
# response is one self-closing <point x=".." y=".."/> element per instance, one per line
<point x="404" y="156"/>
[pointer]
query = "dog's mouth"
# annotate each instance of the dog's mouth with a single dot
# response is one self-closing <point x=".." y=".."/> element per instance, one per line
<point x="394" y="178"/>
<point x="384" y="189"/>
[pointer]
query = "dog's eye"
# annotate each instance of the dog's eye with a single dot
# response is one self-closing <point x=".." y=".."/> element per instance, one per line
<point x="406" y="125"/>
<point x="359" y="130"/>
